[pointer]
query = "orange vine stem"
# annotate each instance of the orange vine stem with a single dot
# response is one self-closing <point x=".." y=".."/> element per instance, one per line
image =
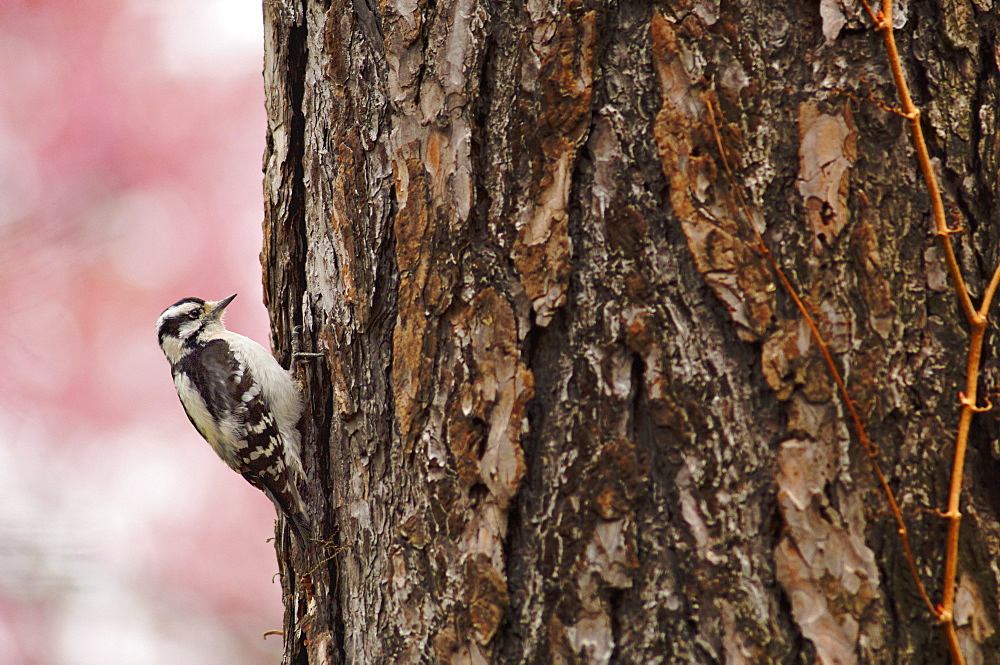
<point x="883" y="23"/>
<point x="859" y="427"/>
<point x="976" y="320"/>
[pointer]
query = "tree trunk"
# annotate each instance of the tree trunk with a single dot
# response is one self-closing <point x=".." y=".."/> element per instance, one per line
<point x="566" y="413"/>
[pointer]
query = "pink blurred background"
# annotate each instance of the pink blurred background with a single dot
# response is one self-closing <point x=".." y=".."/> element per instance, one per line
<point x="131" y="136"/>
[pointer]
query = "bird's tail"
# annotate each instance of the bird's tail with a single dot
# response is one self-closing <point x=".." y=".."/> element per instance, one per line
<point x="301" y="527"/>
<point x="288" y="503"/>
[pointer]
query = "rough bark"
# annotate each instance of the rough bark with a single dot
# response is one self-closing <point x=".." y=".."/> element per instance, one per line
<point x="565" y="413"/>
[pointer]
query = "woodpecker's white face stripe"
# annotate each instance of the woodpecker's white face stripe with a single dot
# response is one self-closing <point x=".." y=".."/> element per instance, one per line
<point x="173" y="349"/>
<point x="177" y="325"/>
<point x="172" y="312"/>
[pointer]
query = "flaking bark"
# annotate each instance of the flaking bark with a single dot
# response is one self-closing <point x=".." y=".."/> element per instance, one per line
<point x="565" y="414"/>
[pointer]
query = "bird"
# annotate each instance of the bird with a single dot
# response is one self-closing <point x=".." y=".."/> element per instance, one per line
<point x="245" y="404"/>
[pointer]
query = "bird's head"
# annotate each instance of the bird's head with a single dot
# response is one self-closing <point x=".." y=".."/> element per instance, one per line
<point x="187" y="322"/>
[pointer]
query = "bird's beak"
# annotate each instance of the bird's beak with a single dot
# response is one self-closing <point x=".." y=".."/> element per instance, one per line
<point x="216" y="308"/>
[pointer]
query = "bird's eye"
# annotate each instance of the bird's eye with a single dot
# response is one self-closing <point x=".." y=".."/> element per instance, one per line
<point x="194" y="314"/>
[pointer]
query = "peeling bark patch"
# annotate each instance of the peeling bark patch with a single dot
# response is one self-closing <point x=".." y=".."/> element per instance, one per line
<point x="934" y="267"/>
<point x="485" y="597"/>
<point x="823" y="563"/>
<point x="721" y="247"/>
<point x="562" y="110"/>
<point x="496" y="394"/>
<point x="608" y="561"/>
<point x="787" y="363"/>
<point x="414" y="337"/>
<point x="972" y="618"/>
<point x="591" y="635"/>
<point x="833" y="19"/>
<point x="827" y="150"/>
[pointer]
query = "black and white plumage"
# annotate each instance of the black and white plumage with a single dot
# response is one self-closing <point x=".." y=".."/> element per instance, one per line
<point x="239" y="399"/>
